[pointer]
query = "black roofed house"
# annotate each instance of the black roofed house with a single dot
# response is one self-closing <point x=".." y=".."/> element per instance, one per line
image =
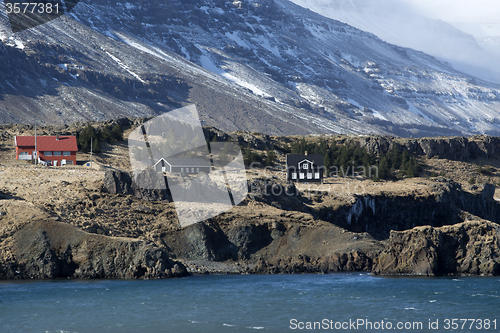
<point x="183" y="165"/>
<point x="304" y="168"/>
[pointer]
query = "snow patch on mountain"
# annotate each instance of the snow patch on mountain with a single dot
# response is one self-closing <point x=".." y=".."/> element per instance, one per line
<point x="234" y="37"/>
<point x="253" y="88"/>
<point x="19" y="44"/>
<point x="125" y="67"/>
<point x="264" y="42"/>
<point x="208" y="64"/>
<point x="413" y="109"/>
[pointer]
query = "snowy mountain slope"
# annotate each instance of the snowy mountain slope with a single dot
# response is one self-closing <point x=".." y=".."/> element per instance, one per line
<point x="267" y="66"/>
<point x="398" y="23"/>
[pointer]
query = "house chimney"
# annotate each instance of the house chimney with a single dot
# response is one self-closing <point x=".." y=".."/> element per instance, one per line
<point x="57" y="136"/>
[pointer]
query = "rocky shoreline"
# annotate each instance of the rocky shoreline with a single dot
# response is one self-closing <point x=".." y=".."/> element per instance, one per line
<point x="257" y="238"/>
<point x="76" y="222"/>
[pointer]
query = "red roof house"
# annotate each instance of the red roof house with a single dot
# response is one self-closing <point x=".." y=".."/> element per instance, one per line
<point x="51" y="150"/>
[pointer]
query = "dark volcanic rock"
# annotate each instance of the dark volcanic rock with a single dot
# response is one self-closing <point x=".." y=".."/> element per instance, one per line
<point x="250" y="238"/>
<point x="48" y="250"/>
<point x="203" y="241"/>
<point x="147" y="186"/>
<point x="150" y="185"/>
<point x="354" y="261"/>
<point x="116" y="181"/>
<point x="272" y="242"/>
<point x="487" y="192"/>
<point x="452" y="148"/>
<point x="469" y="248"/>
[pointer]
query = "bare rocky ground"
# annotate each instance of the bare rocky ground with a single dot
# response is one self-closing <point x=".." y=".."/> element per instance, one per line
<point x="65" y="222"/>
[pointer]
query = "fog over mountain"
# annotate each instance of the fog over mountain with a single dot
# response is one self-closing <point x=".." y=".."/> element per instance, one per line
<point x="259" y="65"/>
<point x="464" y="33"/>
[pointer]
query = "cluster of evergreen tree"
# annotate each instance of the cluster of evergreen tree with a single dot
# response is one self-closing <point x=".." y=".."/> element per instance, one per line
<point x="105" y="133"/>
<point x="393" y="160"/>
<point x="340" y="160"/>
<point x="111" y="135"/>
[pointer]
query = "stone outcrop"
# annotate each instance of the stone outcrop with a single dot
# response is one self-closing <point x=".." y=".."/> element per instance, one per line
<point x="469" y="248"/>
<point x="354" y="261"/>
<point x="201" y="241"/>
<point x="49" y="250"/>
<point x="117" y="182"/>
<point x="452" y="148"/>
<point x="121" y="182"/>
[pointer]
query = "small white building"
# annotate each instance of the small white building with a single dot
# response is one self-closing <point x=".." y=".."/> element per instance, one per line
<point x="183" y="165"/>
<point x="304" y="168"/>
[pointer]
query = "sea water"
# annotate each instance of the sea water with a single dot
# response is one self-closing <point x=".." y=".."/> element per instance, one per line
<point x="253" y="303"/>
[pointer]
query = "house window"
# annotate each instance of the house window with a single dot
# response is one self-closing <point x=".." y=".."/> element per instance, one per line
<point x="197" y="170"/>
<point x="69" y="162"/>
<point x="163" y="169"/>
<point x="182" y="170"/>
<point x="294" y="175"/>
<point x="301" y="175"/>
<point x="309" y="176"/>
<point x="305" y="166"/>
<point x="47" y="153"/>
<point x="192" y="170"/>
<point x="316" y="175"/>
<point x="24" y="155"/>
<point x="57" y="153"/>
<point x="67" y="153"/>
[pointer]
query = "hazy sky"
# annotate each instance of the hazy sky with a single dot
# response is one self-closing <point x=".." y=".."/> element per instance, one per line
<point x="457" y="10"/>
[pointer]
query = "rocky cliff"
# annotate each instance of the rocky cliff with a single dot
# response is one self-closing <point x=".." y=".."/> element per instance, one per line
<point x="292" y="231"/>
<point x="48" y="250"/>
<point x="444" y="204"/>
<point x="36" y="245"/>
<point x="451" y="148"/>
<point x="274" y="242"/>
<point x="469" y="248"/>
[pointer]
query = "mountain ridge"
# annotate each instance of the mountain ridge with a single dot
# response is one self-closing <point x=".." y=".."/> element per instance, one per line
<point x="401" y="23"/>
<point x="299" y="73"/>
